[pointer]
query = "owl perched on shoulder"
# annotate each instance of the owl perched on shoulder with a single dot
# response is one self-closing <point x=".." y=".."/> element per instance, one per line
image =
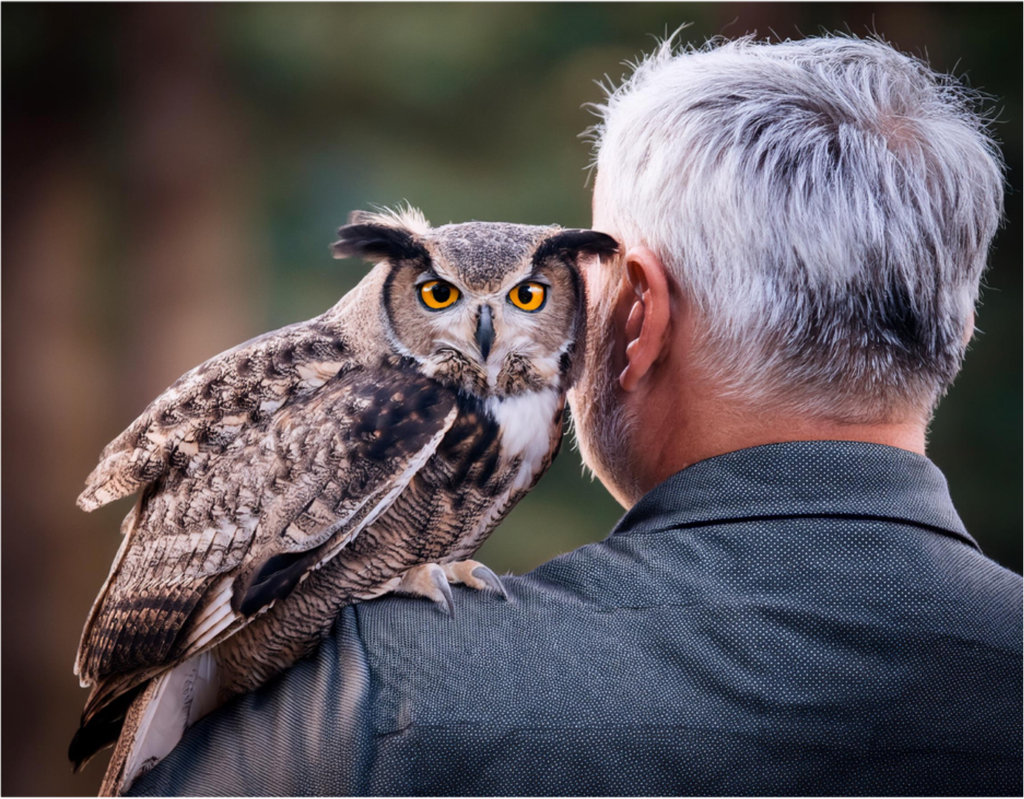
<point x="366" y="451"/>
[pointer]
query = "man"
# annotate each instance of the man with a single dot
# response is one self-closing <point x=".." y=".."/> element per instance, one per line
<point x="791" y="604"/>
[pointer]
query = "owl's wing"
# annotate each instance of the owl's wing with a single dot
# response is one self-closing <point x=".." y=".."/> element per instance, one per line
<point x="210" y="546"/>
<point x="208" y="408"/>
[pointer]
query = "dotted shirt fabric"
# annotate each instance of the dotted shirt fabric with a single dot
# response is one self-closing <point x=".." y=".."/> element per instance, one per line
<point x="807" y="618"/>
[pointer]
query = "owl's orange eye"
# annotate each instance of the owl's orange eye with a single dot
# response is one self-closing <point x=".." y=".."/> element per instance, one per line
<point x="528" y="296"/>
<point x="437" y="295"/>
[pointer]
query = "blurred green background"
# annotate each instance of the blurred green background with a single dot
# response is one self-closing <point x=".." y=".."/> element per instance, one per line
<point x="173" y="175"/>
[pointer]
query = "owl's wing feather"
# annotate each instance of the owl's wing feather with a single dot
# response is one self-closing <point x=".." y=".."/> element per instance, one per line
<point x="209" y="406"/>
<point x="216" y="543"/>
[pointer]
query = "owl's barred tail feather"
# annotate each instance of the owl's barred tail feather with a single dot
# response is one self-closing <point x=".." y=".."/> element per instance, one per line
<point x="158" y="717"/>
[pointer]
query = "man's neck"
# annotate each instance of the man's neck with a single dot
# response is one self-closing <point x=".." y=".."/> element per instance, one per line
<point x="703" y="429"/>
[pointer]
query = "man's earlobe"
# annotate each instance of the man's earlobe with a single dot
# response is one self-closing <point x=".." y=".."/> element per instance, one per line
<point x="647" y="327"/>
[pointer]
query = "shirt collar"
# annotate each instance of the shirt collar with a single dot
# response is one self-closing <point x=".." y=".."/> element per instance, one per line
<point x="801" y="478"/>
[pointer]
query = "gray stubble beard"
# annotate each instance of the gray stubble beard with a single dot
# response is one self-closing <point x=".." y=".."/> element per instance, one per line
<point x="602" y="426"/>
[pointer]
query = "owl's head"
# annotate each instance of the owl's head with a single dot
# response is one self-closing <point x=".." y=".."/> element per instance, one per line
<point x="489" y="308"/>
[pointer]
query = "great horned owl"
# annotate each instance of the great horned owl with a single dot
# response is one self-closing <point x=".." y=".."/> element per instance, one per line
<point x="369" y="450"/>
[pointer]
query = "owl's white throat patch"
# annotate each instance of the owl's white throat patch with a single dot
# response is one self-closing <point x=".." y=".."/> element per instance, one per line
<point x="525" y="423"/>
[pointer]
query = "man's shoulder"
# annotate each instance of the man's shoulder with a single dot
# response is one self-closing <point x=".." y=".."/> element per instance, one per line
<point x="518" y="653"/>
<point x="973" y="597"/>
<point x="546" y="608"/>
<point x="643" y="611"/>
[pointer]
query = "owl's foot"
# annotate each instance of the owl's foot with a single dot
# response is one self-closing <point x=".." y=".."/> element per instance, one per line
<point x="431" y="581"/>
<point x="428" y="581"/>
<point x="474" y="574"/>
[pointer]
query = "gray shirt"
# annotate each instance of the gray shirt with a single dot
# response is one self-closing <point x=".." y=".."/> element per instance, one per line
<point x="804" y="618"/>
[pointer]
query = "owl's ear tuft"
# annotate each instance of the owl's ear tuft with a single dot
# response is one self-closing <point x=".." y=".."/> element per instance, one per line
<point x="569" y="244"/>
<point x="376" y="242"/>
<point x="363" y="218"/>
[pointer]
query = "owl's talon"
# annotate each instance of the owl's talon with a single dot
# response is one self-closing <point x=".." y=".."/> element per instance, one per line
<point x="428" y="581"/>
<point x="490" y="579"/>
<point x="441" y="583"/>
<point x="433" y="581"/>
<point x="475" y="575"/>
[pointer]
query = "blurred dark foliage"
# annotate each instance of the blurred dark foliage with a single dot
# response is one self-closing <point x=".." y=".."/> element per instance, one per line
<point x="172" y="178"/>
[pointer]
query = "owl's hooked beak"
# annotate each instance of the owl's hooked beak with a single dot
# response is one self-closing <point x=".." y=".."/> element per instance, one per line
<point x="484" y="331"/>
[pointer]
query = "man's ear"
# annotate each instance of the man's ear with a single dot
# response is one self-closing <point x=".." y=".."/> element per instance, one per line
<point x="649" y="321"/>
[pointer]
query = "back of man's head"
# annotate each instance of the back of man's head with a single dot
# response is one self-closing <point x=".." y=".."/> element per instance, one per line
<point x="826" y="204"/>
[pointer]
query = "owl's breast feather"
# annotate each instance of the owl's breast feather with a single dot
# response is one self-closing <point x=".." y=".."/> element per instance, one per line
<point x="525" y="422"/>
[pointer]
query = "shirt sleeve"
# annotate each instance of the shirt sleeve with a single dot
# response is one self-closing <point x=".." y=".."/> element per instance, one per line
<point x="308" y="732"/>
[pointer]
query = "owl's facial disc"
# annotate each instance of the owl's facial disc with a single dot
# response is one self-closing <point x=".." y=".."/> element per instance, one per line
<point x="491" y="309"/>
<point x="494" y="338"/>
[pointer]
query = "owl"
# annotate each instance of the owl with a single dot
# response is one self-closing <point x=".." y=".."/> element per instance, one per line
<point x="367" y="451"/>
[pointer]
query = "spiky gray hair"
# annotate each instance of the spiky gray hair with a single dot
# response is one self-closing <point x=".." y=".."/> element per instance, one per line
<point x="827" y="203"/>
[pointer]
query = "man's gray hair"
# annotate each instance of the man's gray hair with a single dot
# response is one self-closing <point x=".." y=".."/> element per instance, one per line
<point x="827" y="203"/>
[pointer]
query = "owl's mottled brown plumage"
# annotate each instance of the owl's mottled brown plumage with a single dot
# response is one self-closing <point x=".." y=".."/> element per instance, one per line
<point x="322" y="464"/>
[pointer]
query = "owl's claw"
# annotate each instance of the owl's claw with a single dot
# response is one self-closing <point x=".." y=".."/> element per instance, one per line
<point x="490" y="579"/>
<point x="475" y="575"/>
<point x="429" y="581"/>
<point x="432" y="581"/>
<point x="441" y="583"/>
